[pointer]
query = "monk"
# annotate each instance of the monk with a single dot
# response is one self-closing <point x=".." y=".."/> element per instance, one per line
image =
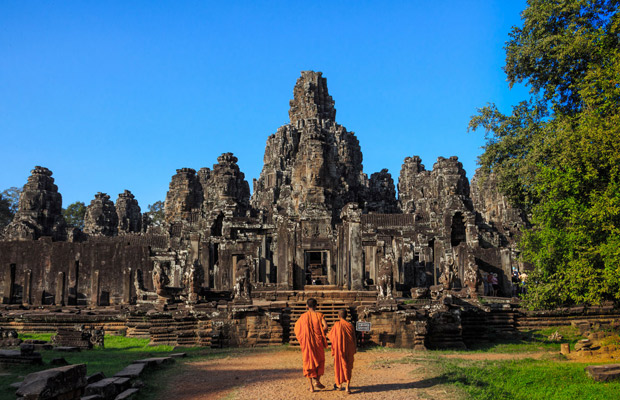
<point x="310" y="331"/>
<point x="343" y="341"/>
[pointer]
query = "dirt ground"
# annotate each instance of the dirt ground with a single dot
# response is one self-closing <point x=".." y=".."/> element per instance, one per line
<point x="278" y="375"/>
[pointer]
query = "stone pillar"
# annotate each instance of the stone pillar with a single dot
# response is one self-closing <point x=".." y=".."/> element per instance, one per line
<point x="352" y="216"/>
<point x="233" y="271"/>
<point x="127" y="285"/>
<point x="331" y="274"/>
<point x="282" y="256"/>
<point x="268" y="271"/>
<point x="357" y="265"/>
<point x="9" y="284"/>
<point x="59" y="298"/>
<point x="94" y="289"/>
<point x="27" y="287"/>
<point x="74" y="273"/>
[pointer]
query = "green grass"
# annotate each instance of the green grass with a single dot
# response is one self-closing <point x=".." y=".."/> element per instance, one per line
<point x="118" y="353"/>
<point x="525" y="379"/>
<point x="37" y="336"/>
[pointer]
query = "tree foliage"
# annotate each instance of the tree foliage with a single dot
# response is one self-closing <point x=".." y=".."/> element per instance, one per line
<point x="74" y="214"/>
<point x="5" y="212"/>
<point x="557" y="156"/>
<point x="156" y="213"/>
<point x="9" y="200"/>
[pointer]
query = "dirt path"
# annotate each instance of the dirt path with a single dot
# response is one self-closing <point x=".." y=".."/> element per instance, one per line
<point x="277" y="375"/>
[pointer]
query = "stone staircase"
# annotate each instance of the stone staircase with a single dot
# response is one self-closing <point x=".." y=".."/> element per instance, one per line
<point x="328" y="307"/>
<point x="487" y="326"/>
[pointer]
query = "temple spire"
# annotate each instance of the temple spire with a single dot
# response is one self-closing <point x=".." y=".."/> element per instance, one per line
<point x="311" y="99"/>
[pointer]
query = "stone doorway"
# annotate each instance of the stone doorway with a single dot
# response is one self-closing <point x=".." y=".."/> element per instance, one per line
<point x="316" y="267"/>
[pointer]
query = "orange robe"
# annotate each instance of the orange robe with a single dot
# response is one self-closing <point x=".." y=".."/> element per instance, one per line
<point x="344" y="346"/>
<point x="309" y="332"/>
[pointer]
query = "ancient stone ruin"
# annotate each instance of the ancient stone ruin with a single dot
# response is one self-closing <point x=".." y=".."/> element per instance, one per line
<point x="315" y="225"/>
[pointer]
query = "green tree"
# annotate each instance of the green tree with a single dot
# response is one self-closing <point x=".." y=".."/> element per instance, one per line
<point x="156" y="213"/>
<point x="74" y="214"/>
<point x="5" y="212"/>
<point x="557" y="156"/>
<point x="9" y="201"/>
<point x="12" y="196"/>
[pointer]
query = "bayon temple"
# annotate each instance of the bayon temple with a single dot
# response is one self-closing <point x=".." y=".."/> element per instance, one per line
<point x="232" y="267"/>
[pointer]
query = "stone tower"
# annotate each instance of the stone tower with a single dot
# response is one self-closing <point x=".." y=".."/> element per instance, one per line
<point x="39" y="210"/>
<point x="312" y="165"/>
<point x="129" y="213"/>
<point x="101" y="218"/>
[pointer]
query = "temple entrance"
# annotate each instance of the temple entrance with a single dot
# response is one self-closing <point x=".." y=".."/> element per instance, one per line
<point x="316" y="267"/>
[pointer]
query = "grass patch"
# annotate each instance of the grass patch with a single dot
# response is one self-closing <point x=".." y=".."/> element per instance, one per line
<point x="46" y="336"/>
<point x="119" y="352"/>
<point x="530" y="341"/>
<point x="524" y="379"/>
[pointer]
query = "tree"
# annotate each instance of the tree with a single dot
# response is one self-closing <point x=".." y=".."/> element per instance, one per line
<point x="5" y="212"/>
<point x="9" y="201"/>
<point x="156" y="213"/>
<point x="557" y="156"/>
<point x="12" y="196"/>
<point x="74" y="214"/>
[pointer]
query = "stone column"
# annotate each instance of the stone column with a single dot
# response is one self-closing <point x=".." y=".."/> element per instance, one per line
<point x="9" y="284"/>
<point x="127" y="285"/>
<point x="74" y="273"/>
<point x="94" y="289"/>
<point x="27" y="287"/>
<point x="352" y="215"/>
<point x="282" y="256"/>
<point x="59" y="298"/>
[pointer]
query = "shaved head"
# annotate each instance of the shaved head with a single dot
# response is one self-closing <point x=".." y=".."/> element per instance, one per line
<point x="342" y="313"/>
<point x="312" y="303"/>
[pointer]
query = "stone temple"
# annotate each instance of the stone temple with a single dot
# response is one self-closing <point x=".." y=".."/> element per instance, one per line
<point x="229" y="262"/>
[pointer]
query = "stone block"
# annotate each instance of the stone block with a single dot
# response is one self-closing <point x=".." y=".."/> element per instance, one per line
<point x="68" y="349"/>
<point x="127" y="394"/>
<point x="54" y="383"/>
<point x="95" y="377"/>
<point x="155" y="361"/>
<point x="604" y="373"/>
<point x="106" y="388"/>
<point x="133" y="370"/>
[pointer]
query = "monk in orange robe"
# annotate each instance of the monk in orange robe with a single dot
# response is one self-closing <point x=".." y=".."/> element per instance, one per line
<point x="344" y="346"/>
<point x="310" y="331"/>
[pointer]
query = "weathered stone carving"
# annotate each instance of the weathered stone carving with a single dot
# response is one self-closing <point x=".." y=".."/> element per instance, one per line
<point x="472" y="277"/>
<point x="225" y="186"/>
<point x="243" y="287"/>
<point x="313" y="165"/>
<point x="194" y="280"/>
<point x="448" y="272"/>
<point x="39" y="210"/>
<point x="313" y="214"/>
<point x="129" y="213"/>
<point x="184" y="198"/>
<point x="385" y="281"/>
<point x="160" y="280"/>
<point x="101" y="218"/>
<point x="381" y="195"/>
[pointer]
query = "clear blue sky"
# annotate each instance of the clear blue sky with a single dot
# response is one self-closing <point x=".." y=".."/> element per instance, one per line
<point x="118" y="95"/>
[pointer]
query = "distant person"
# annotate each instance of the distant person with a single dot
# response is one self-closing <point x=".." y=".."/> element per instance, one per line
<point x="495" y="283"/>
<point x="523" y="278"/>
<point x="310" y="331"/>
<point x="515" y="283"/>
<point x="343" y="341"/>
<point x="485" y="282"/>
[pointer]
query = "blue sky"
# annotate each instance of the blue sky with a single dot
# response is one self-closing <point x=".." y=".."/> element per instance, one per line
<point x="118" y="95"/>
